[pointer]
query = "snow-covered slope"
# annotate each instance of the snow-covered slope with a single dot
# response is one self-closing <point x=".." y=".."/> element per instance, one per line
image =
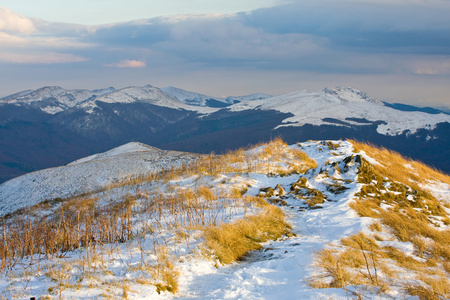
<point x="342" y="106"/>
<point x="188" y="97"/>
<point x="147" y="94"/>
<point x="88" y="174"/>
<point x="165" y="241"/>
<point x="346" y="105"/>
<point x="192" y="98"/>
<point x="53" y="99"/>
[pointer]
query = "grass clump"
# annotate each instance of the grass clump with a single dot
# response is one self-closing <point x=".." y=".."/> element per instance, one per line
<point x="231" y="241"/>
<point x="358" y="261"/>
<point x="165" y="272"/>
<point x="399" y="168"/>
<point x="435" y="287"/>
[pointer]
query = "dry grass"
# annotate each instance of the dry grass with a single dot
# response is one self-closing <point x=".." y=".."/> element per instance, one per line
<point x="230" y="241"/>
<point x="165" y="272"/>
<point x="359" y="262"/>
<point x="399" y="168"/>
<point x="435" y="287"/>
<point x="79" y="226"/>
<point x="334" y="273"/>
<point x="411" y="214"/>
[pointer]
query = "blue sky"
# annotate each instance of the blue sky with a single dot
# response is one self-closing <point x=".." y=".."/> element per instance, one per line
<point x="396" y="50"/>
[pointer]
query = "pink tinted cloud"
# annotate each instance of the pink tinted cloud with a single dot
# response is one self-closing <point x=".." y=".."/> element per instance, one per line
<point x="128" y="64"/>
<point x="11" y="21"/>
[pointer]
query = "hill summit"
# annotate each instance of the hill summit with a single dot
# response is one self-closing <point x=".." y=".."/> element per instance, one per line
<point x="309" y="220"/>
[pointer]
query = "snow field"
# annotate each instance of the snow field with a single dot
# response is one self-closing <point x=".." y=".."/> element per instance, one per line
<point x="167" y="249"/>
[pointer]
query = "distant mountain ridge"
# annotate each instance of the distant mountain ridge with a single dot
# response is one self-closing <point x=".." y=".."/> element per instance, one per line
<point x="204" y="100"/>
<point x="53" y="126"/>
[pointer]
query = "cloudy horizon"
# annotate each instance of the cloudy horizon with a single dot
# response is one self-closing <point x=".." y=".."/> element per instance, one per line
<point x="396" y="51"/>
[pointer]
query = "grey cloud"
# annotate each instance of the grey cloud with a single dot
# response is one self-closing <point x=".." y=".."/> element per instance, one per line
<point x="361" y="26"/>
<point x="226" y="41"/>
<point x="132" y="34"/>
<point x="213" y="40"/>
<point x="321" y="37"/>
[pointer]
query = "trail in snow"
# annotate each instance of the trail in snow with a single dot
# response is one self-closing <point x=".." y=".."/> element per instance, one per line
<point x="281" y="269"/>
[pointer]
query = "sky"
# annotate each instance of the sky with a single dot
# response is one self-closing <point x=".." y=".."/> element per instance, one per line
<point x="396" y="50"/>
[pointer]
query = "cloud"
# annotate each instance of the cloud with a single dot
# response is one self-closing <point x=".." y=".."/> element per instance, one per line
<point x="128" y="64"/>
<point x="9" y="40"/>
<point x="431" y="66"/>
<point x="360" y="25"/>
<point x="41" y="59"/>
<point x="320" y="35"/>
<point x="12" y="22"/>
<point x="40" y="42"/>
<point x="337" y="39"/>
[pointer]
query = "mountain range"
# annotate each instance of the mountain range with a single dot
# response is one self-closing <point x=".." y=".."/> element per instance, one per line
<point x="52" y="126"/>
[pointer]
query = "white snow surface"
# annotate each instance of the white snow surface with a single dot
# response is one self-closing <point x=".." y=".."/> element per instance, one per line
<point x="342" y="104"/>
<point x="147" y="94"/>
<point x="280" y="270"/>
<point x="188" y="97"/>
<point x="60" y="99"/>
<point x="87" y="174"/>
<point x="192" y="98"/>
<point x="54" y="99"/>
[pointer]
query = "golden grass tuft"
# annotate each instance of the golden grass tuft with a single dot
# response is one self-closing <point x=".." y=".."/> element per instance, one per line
<point x="399" y="168"/>
<point x="435" y="287"/>
<point x="358" y="262"/>
<point x="206" y="193"/>
<point x="165" y="272"/>
<point x="230" y="241"/>
<point x="334" y="274"/>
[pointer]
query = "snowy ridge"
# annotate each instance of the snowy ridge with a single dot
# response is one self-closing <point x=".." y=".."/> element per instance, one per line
<point x="281" y="269"/>
<point x="351" y="95"/>
<point x="343" y="104"/>
<point x="192" y="98"/>
<point x="86" y="175"/>
<point x="148" y="94"/>
<point x="53" y="99"/>
<point x="124" y="149"/>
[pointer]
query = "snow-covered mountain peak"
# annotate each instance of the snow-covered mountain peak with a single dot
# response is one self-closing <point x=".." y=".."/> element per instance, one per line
<point x="297" y="215"/>
<point x="53" y="99"/>
<point x="197" y="99"/>
<point x="88" y="174"/>
<point x="350" y="95"/>
<point x="148" y="94"/>
<point x="35" y="95"/>
<point x="188" y="97"/>
<point x="343" y="106"/>
<point x="131" y="147"/>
